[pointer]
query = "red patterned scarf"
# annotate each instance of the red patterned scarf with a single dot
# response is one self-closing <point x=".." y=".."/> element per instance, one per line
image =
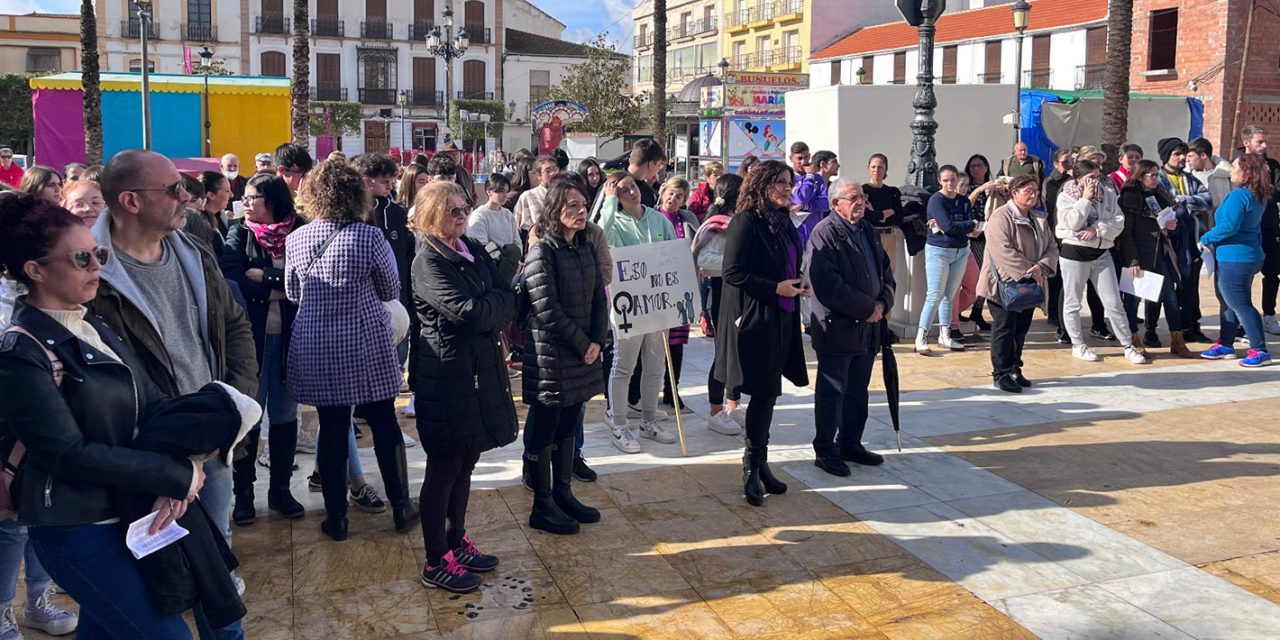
<point x="271" y="236"/>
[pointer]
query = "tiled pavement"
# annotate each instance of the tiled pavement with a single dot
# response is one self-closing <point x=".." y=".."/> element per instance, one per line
<point x="1110" y="501"/>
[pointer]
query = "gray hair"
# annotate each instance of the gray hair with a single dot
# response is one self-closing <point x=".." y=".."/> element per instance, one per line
<point x="837" y="189"/>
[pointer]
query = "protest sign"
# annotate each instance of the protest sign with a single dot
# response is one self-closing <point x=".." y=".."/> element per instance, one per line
<point x="655" y="287"/>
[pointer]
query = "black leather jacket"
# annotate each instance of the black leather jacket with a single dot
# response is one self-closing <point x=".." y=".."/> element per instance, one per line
<point x="79" y="467"/>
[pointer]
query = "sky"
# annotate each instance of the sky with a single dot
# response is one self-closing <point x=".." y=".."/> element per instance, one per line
<point x="583" y="18"/>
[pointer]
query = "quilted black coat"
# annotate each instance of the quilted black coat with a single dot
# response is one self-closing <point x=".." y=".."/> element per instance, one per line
<point x="569" y="313"/>
<point x="463" y="392"/>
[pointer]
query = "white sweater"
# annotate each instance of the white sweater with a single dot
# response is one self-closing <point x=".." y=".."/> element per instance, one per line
<point x="1073" y="215"/>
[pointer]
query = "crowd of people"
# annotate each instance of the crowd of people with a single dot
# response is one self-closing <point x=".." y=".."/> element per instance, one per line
<point x="140" y="301"/>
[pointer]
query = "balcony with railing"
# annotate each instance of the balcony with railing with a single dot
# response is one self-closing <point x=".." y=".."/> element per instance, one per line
<point x="762" y="14"/>
<point x="477" y="34"/>
<point x="133" y="30"/>
<point x="643" y="41"/>
<point x="788" y="10"/>
<point x="425" y="98"/>
<point x="377" y="95"/>
<point x="278" y="25"/>
<point x="993" y="77"/>
<point x="692" y="28"/>
<point x="475" y="95"/>
<point x="1037" y="78"/>
<point x="420" y="30"/>
<point x="333" y="94"/>
<point x="376" y="30"/>
<point x="786" y="58"/>
<point x="199" y="32"/>
<point x="328" y="27"/>
<point x="738" y="20"/>
<point x="1090" y="76"/>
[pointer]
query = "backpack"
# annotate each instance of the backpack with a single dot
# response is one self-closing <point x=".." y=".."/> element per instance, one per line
<point x="13" y="449"/>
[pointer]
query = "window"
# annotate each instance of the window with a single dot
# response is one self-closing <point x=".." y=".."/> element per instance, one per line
<point x="273" y="64"/>
<point x="424" y="81"/>
<point x="739" y="54"/>
<point x="644" y="68"/>
<point x="135" y="65"/>
<point x="539" y="86"/>
<point x="327" y="9"/>
<point x="473" y="20"/>
<point x="991" y="74"/>
<point x="473" y="79"/>
<point x="900" y="67"/>
<point x="708" y="16"/>
<point x="763" y="55"/>
<point x="949" y="65"/>
<point x="1163" y="47"/>
<point x="868" y="69"/>
<point x="199" y="12"/>
<point x="375" y="10"/>
<point x="41" y="60"/>
<point x="686" y="24"/>
<point x="424" y="15"/>
<point x="835" y="72"/>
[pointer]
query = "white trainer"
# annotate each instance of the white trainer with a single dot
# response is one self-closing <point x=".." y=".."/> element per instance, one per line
<point x="408" y="440"/>
<point x="306" y="442"/>
<point x="1084" y="352"/>
<point x="624" y="440"/>
<point x="634" y="412"/>
<point x="739" y="416"/>
<point x="922" y="341"/>
<point x="1271" y="325"/>
<point x="1135" y="355"/>
<point x="653" y="430"/>
<point x="723" y="423"/>
<point x="409" y="411"/>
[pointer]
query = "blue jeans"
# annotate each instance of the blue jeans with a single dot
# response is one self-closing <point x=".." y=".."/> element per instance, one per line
<point x="216" y="495"/>
<point x="945" y="271"/>
<point x="14" y="547"/>
<point x="1234" y="281"/>
<point x="840" y="402"/>
<point x="273" y="393"/>
<point x="92" y="564"/>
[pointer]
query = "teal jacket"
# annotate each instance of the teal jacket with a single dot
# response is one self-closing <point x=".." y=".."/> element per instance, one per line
<point x="622" y="229"/>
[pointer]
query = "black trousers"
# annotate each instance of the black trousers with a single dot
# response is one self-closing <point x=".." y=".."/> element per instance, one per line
<point x="760" y="411"/>
<point x="1008" y="335"/>
<point x="1189" y="296"/>
<point x="550" y="425"/>
<point x="1270" y="271"/>
<point x="840" y="402"/>
<point x="331" y="453"/>
<point x="443" y="499"/>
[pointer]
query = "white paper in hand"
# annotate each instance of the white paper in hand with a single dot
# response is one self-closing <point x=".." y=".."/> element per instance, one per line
<point x="143" y="544"/>
<point x="1210" y="264"/>
<point x="1166" y="216"/>
<point x="1147" y="286"/>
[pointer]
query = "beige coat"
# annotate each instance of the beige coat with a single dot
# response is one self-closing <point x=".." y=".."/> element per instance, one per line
<point x="1014" y="247"/>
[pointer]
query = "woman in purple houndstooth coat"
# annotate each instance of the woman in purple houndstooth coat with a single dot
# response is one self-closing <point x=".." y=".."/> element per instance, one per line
<point x="339" y="270"/>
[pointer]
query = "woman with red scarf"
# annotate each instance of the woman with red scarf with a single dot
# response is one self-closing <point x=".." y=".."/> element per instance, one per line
<point x="255" y="259"/>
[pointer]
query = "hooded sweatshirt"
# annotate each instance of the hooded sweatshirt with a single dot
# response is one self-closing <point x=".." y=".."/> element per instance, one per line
<point x="1218" y="181"/>
<point x="625" y="230"/>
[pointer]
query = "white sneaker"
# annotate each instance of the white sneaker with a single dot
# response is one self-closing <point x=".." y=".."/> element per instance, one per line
<point x="409" y="411"/>
<point x="1135" y="355"/>
<point x="1084" y="352"/>
<point x="723" y="423"/>
<point x="945" y="341"/>
<point x="306" y="442"/>
<point x="408" y="440"/>
<point x="48" y="617"/>
<point x="264" y="459"/>
<point x="1271" y="325"/>
<point x="922" y="341"/>
<point x="239" y="582"/>
<point x="624" y="440"/>
<point x="634" y="412"/>
<point x="653" y="430"/>
<point x="739" y="416"/>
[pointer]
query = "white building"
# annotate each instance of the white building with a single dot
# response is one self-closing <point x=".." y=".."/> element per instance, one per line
<point x="179" y="28"/>
<point x="693" y="42"/>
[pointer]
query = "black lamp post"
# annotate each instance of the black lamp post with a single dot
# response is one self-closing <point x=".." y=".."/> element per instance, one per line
<point x="922" y="169"/>
<point x="206" y="64"/>
<point x="1021" y="9"/>
<point x="402" y="99"/>
<point x="443" y="43"/>
<point x="144" y="17"/>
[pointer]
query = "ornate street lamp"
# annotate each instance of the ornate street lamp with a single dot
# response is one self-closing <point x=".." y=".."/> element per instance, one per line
<point x="443" y="43"/>
<point x="206" y="65"/>
<point x="922" y="169"/>
<point x="144" y="16"/>
<point x="402" y="99"/>
<point x="1021" y="9"/>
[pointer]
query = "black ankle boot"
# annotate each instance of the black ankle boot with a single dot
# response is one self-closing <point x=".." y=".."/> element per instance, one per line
<point x="335" y="527"/>
<point x="404" y="516"/>
<point x="562" y="485"/>
<point x="244" y="514"/>
<point x="770" y="483"/>
<point x="243" y="475"/>
<point x="751" y="487"/>
<point x="282" y="439"/>
<point x="546" y="515"/>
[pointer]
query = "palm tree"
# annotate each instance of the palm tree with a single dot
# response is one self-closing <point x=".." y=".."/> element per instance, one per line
<point x="660" y="72"/>
<point x="89" y="77"/>
<point x="300" y="103"/>
<point x="1115" y="81"/>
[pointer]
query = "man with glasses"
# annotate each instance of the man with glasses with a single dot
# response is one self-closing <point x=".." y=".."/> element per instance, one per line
<point x="165" y="295"/>
<point x="10" y="172"/>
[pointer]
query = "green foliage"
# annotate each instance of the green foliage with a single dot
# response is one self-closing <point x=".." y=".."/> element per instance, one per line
<point x="344" y="118"/>
<point x="217" y="67"/>
<point x="600" y="85"/>
<point x="471" y="130"/>
<point x="17" y="127"/>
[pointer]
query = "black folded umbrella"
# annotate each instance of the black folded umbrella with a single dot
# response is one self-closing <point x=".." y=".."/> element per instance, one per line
<point x="889" y="367"/>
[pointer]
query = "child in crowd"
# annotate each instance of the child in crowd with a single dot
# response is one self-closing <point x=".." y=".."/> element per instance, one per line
<point x="493" y="225"/>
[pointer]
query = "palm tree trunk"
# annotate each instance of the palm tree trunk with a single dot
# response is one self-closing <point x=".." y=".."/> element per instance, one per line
<point x="660" y="72"/>
<point x="89" y="80"/>
<point x="1115" y="82"/>
<point x="300" y="89"/>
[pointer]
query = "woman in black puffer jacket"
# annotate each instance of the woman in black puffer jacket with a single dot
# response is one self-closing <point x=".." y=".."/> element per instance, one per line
<point x="463" y="390"/>
<point x="567" y="326"/>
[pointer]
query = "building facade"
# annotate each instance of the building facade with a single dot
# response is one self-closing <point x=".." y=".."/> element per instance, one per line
<point x="693" y="42"/>
<point x="177" y="30"/>
<point x="767" y="35"/>
<point x="39" y="43"/>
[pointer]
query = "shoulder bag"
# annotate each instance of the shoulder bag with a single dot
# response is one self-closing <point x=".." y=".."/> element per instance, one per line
<point x="9" y="465"/>
<point x="399" y="315"/>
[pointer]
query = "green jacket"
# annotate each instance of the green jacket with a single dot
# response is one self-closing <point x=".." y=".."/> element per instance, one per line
<point x="623" y="230"/>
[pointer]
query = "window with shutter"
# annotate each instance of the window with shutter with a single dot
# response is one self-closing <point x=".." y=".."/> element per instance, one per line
<point x="473" y="81"/>
<point x="473" y="21"/>
<point x="949" y="64"/>
<point x="900" y="67"/>
<point x="835" y="72"/>
<point x="991" y="73"/>
<point x="868" y="69"/>
<point x="273" y="64"/>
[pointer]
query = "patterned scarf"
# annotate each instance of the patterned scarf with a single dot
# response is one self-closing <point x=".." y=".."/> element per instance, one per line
<point x="271" y="235"/>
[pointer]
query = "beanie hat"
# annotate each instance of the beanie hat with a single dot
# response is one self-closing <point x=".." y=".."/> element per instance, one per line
<point x="1166" y="147"/>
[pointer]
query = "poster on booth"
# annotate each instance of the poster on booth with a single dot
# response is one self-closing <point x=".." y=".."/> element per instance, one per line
<point x="655" y="287"/>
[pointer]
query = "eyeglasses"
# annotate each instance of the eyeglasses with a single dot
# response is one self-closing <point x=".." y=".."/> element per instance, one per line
<point x="173" y="190"/>
<point x="84" y="258"/>
<point x="96" y="203"/>
<point x="6" y="157"/>
<point x="458" y="212"/>
<point x="247" y="198"/>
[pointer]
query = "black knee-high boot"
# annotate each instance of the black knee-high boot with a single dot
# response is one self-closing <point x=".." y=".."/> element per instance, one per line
<point x="243" y="475"/>
<point x="767" y="479"/>
<point x="546" y="514"/>
<point x="562" y="487"/>
<point x="282" y="439"/>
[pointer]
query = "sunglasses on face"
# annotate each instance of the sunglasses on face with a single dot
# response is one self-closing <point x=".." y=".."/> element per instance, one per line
<point x="172" y="190"/>
<point x="83" y="259"/>
<point x="458" y="212"/>
<point x="6" y="157"/>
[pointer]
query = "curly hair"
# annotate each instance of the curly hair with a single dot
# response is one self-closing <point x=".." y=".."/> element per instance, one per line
<point x="336" y="191"/>
<point x="431" y="215"/>
<point x="754" y="194"/>
<point x="548" y="223"/>
<point x="1257" y="175"/>
<point x="32" y="229"/>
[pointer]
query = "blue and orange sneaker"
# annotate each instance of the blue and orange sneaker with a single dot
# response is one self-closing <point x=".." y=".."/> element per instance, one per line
<point x="1256" y="359"/>
<point x="1219" y="352"/>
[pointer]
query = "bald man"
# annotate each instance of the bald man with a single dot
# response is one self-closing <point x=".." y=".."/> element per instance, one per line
<point x="1022" y="163"/>
<point x="231" y="169"/>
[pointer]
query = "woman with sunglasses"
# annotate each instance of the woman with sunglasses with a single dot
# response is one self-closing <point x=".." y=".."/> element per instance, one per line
<point x="255" y="260"/>
<point x="79" y="403"/>
<point x="1146" y="245"/>
<point x="340" y="270"/>
<point x="758" y="332"/>
<point x="463" y="389"/>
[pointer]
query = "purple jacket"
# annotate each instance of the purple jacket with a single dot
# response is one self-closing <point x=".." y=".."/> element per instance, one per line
<point x="341" y="352"/>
